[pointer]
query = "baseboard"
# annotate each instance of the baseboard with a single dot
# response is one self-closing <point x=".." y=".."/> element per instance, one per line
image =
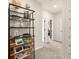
<point x="57" y="41"/>
<point x="38" y="48"/>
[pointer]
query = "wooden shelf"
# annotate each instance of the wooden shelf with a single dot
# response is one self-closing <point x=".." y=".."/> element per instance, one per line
<point x="22" y="51"/>
<point x="19" y="20"/>
<point x="20" y="27"/>
<point x="12" y="54"/>
<point x="22" y="7"/>
<point x="16" y="12"/>
<point x="12" y="44"/>
<point x="25" y="56"/>
<point x="16" y="16"/>
<point x="20" y="17"/>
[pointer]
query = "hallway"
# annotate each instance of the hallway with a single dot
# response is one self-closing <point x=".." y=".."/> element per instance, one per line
<point x="43" y="28"/>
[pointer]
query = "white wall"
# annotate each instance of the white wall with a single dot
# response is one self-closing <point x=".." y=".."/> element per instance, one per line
<point x="58" y="27"/>
<point x="67" y="29"/>
<point x="62" y="25"/>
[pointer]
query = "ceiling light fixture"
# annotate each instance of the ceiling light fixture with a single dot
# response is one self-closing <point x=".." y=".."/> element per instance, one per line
<point x="55" y="6"/>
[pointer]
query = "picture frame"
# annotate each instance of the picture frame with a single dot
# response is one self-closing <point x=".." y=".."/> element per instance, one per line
<point x="20" y="55"/>
<point x="18" y="49"/>
<point x="19" y="41"/>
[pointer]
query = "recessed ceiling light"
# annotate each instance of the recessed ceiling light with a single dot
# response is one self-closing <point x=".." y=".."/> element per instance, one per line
<point x="55" y="6"/>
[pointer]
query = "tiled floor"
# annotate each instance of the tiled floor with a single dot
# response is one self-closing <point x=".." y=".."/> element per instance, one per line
<point x="49" y="51"/>
<point x="46" y="53"/>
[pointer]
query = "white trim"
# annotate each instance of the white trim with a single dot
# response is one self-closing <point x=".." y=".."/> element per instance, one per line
<point x="38" y="48"/>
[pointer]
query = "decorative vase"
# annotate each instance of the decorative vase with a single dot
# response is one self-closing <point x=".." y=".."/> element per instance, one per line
<point x="28" y="5"/>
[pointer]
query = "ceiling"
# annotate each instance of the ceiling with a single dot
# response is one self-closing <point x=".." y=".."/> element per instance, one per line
<point x="53" y="6"/>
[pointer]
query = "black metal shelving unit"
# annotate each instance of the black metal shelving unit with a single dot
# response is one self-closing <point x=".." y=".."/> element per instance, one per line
<point x="30" y="21"/>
